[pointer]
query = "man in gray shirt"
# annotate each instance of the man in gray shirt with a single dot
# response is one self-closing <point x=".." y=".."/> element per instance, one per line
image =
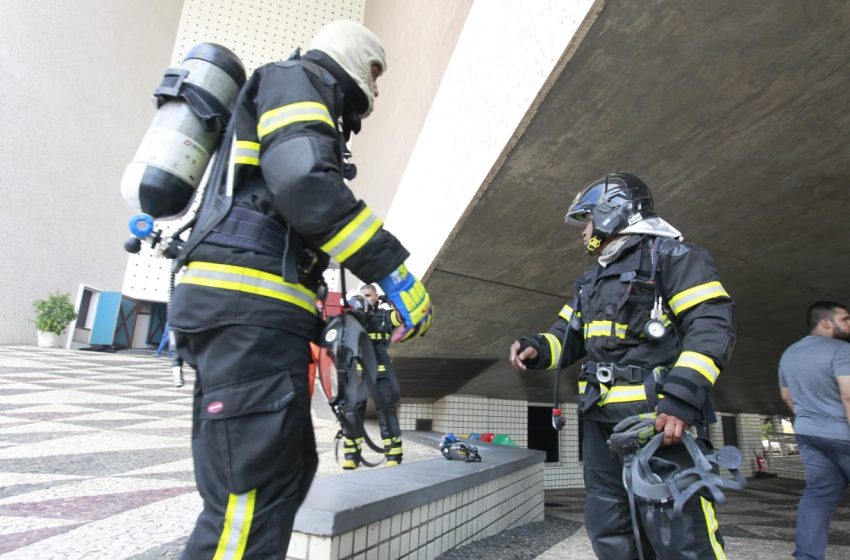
<point x="814" y="380"/>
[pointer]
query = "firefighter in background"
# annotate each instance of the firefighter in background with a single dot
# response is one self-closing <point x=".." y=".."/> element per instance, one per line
<point x="382" y="322"/>
<point x="243" y="312"/>
<point x="656" y="328"/>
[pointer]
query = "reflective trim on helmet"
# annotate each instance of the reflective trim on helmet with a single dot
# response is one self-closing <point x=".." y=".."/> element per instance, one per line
<point x="686" y="299"/>
<point x="353" y="236"/>
<point x="554" y="349"/>
<point x="604" y="328"/>
<point x="237" y="525"/>
<point x="247" y="153"/>
<point x="699" y="362"/>
<point x="567" y="313"/>
<point x="306" y="111"/>
<point x="241" y="279"/>
<point x="712" y="526"/>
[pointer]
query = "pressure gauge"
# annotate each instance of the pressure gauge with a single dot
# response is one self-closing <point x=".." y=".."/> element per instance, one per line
<point x="654" y="329"/>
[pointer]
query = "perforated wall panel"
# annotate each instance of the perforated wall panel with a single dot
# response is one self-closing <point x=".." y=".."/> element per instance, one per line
<point x="258" y="31"/>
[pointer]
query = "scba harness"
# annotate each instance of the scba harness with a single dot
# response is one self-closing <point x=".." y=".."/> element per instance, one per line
<point x="661" y="481"/>
<point x="350" y="370"/>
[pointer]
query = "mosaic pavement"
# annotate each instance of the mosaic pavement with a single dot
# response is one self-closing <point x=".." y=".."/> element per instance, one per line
<point x="95" y="460"/>
<point x="95" y="464"/>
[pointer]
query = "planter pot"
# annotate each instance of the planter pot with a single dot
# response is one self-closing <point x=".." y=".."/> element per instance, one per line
<point x="50" y="340"/>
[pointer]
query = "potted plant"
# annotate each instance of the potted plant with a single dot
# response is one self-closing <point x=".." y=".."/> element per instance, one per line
<point x="52" y="316"/>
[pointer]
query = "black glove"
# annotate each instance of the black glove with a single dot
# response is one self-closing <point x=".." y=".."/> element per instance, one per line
<point x="632" y="433"/>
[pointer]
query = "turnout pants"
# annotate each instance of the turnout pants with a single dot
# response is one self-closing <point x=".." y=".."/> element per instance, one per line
<point x="252" y="439"/>
<point x="692" y="536"/>
<point x="388" y="390"/>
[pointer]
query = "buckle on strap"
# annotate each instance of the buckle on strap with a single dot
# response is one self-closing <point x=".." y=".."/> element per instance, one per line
<point x="607" y="372"/>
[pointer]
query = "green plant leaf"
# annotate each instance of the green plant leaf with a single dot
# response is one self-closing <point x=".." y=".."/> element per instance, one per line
<point x="53" y="313"/>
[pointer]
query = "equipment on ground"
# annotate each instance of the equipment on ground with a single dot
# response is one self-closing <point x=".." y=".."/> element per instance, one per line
<point x="455" y="450"/>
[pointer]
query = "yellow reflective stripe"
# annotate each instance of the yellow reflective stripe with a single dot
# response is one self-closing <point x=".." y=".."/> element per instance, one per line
<point x="686" y="299"/>
<point x="353" y="236"/>
<point x="582" y="386"/>
<point x="567" y="313"/>
<point x="305" y="111"/>
<point x="239" y="278"/>
<point x="237" y="526"/>
<point x="603" y="328"/>
<point x="711" y="524"/>
<point x="623" y="394"/>
<point x="394" y="319"/>
<point x="699" y="362"/>
<point x="379" y="336"/>
<point x="554" y="349"/>
<point x="247" y="153"/>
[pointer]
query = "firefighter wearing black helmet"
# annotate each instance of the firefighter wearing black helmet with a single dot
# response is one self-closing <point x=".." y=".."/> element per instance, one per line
<point x="655" y="328"/>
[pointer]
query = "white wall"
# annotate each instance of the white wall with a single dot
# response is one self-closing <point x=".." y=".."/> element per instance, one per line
<point x="258" y="32"/>
<point x="505" y="55"/>
<point x="74" y="97"/>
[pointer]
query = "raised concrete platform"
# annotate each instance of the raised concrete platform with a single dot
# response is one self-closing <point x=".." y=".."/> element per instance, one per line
<point x="419" y="510"/>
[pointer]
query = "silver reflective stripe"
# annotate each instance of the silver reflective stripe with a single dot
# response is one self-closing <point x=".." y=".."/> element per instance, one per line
<point x="554" y="349"/>
<point x="699" y="362"/>
<point x="352" y="237"/>
<point x="237" y="524"/>
<point x="691" y="297"/>
<point x="247" y="153"/>
<point x="288" y="114"/>
<point x="228" y="277"/>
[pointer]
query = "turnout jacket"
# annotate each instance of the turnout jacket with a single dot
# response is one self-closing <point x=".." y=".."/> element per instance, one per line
<point x="604" y="324"/>
<point x="285" y="161"/>
<point x="381" y="325"/>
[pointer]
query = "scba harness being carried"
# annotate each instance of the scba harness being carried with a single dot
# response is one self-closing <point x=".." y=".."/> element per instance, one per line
<point x="348" y="369"/>
<point x="653" y="479"/>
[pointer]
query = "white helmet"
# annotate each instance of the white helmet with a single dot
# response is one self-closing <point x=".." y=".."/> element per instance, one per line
<point x="355" y="48"/>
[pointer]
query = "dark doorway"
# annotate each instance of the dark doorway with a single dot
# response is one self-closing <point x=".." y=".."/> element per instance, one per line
<point x="730" y="430"/>
<point x="541" y="434"/>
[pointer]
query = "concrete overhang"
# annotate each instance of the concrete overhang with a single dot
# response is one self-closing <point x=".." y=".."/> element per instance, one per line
<point x="735" y="113"/>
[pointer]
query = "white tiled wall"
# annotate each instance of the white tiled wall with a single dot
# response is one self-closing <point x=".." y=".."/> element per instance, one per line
<point x="749" y="439"/>
<point x="467" y="414"/>
<point x="430" y="530"/>
<point x="409" y="413"/>
<point x="464" y="414"/>
<point x="568" y="472"/>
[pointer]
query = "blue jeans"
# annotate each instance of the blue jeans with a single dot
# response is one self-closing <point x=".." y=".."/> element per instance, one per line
<point x="827" y="464"/>
<point x="163" y="342"/>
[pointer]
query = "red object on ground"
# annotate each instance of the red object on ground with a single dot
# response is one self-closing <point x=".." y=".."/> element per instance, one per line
<point x="487" y="437"/>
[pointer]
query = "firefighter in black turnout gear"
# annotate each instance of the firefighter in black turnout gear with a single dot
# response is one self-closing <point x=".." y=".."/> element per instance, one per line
<point x="381" y="324"/>
<point x="655" y="327"/>
<point x="275" y="211"/>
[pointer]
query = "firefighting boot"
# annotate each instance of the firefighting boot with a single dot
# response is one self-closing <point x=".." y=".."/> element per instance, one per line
<point x="392" y="451"/>
<point x="351" y="448"/>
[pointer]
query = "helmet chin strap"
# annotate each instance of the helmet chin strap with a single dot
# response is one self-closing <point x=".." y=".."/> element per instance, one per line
<point x="594" y="244"/>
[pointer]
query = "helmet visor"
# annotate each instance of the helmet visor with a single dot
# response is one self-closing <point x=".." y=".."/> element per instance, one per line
<point x="584" y="203"/>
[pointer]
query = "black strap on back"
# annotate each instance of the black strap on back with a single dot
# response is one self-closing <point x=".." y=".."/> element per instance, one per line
<point x="245" y="229"/>
<point x="214" y="114"/>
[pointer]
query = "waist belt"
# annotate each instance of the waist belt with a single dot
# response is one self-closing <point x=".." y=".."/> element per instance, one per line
<point x="246" y="229"/>
<point x="607" y="372"/>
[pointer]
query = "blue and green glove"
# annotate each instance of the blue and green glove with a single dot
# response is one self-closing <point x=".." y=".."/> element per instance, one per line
<point x="408" y="296"/>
